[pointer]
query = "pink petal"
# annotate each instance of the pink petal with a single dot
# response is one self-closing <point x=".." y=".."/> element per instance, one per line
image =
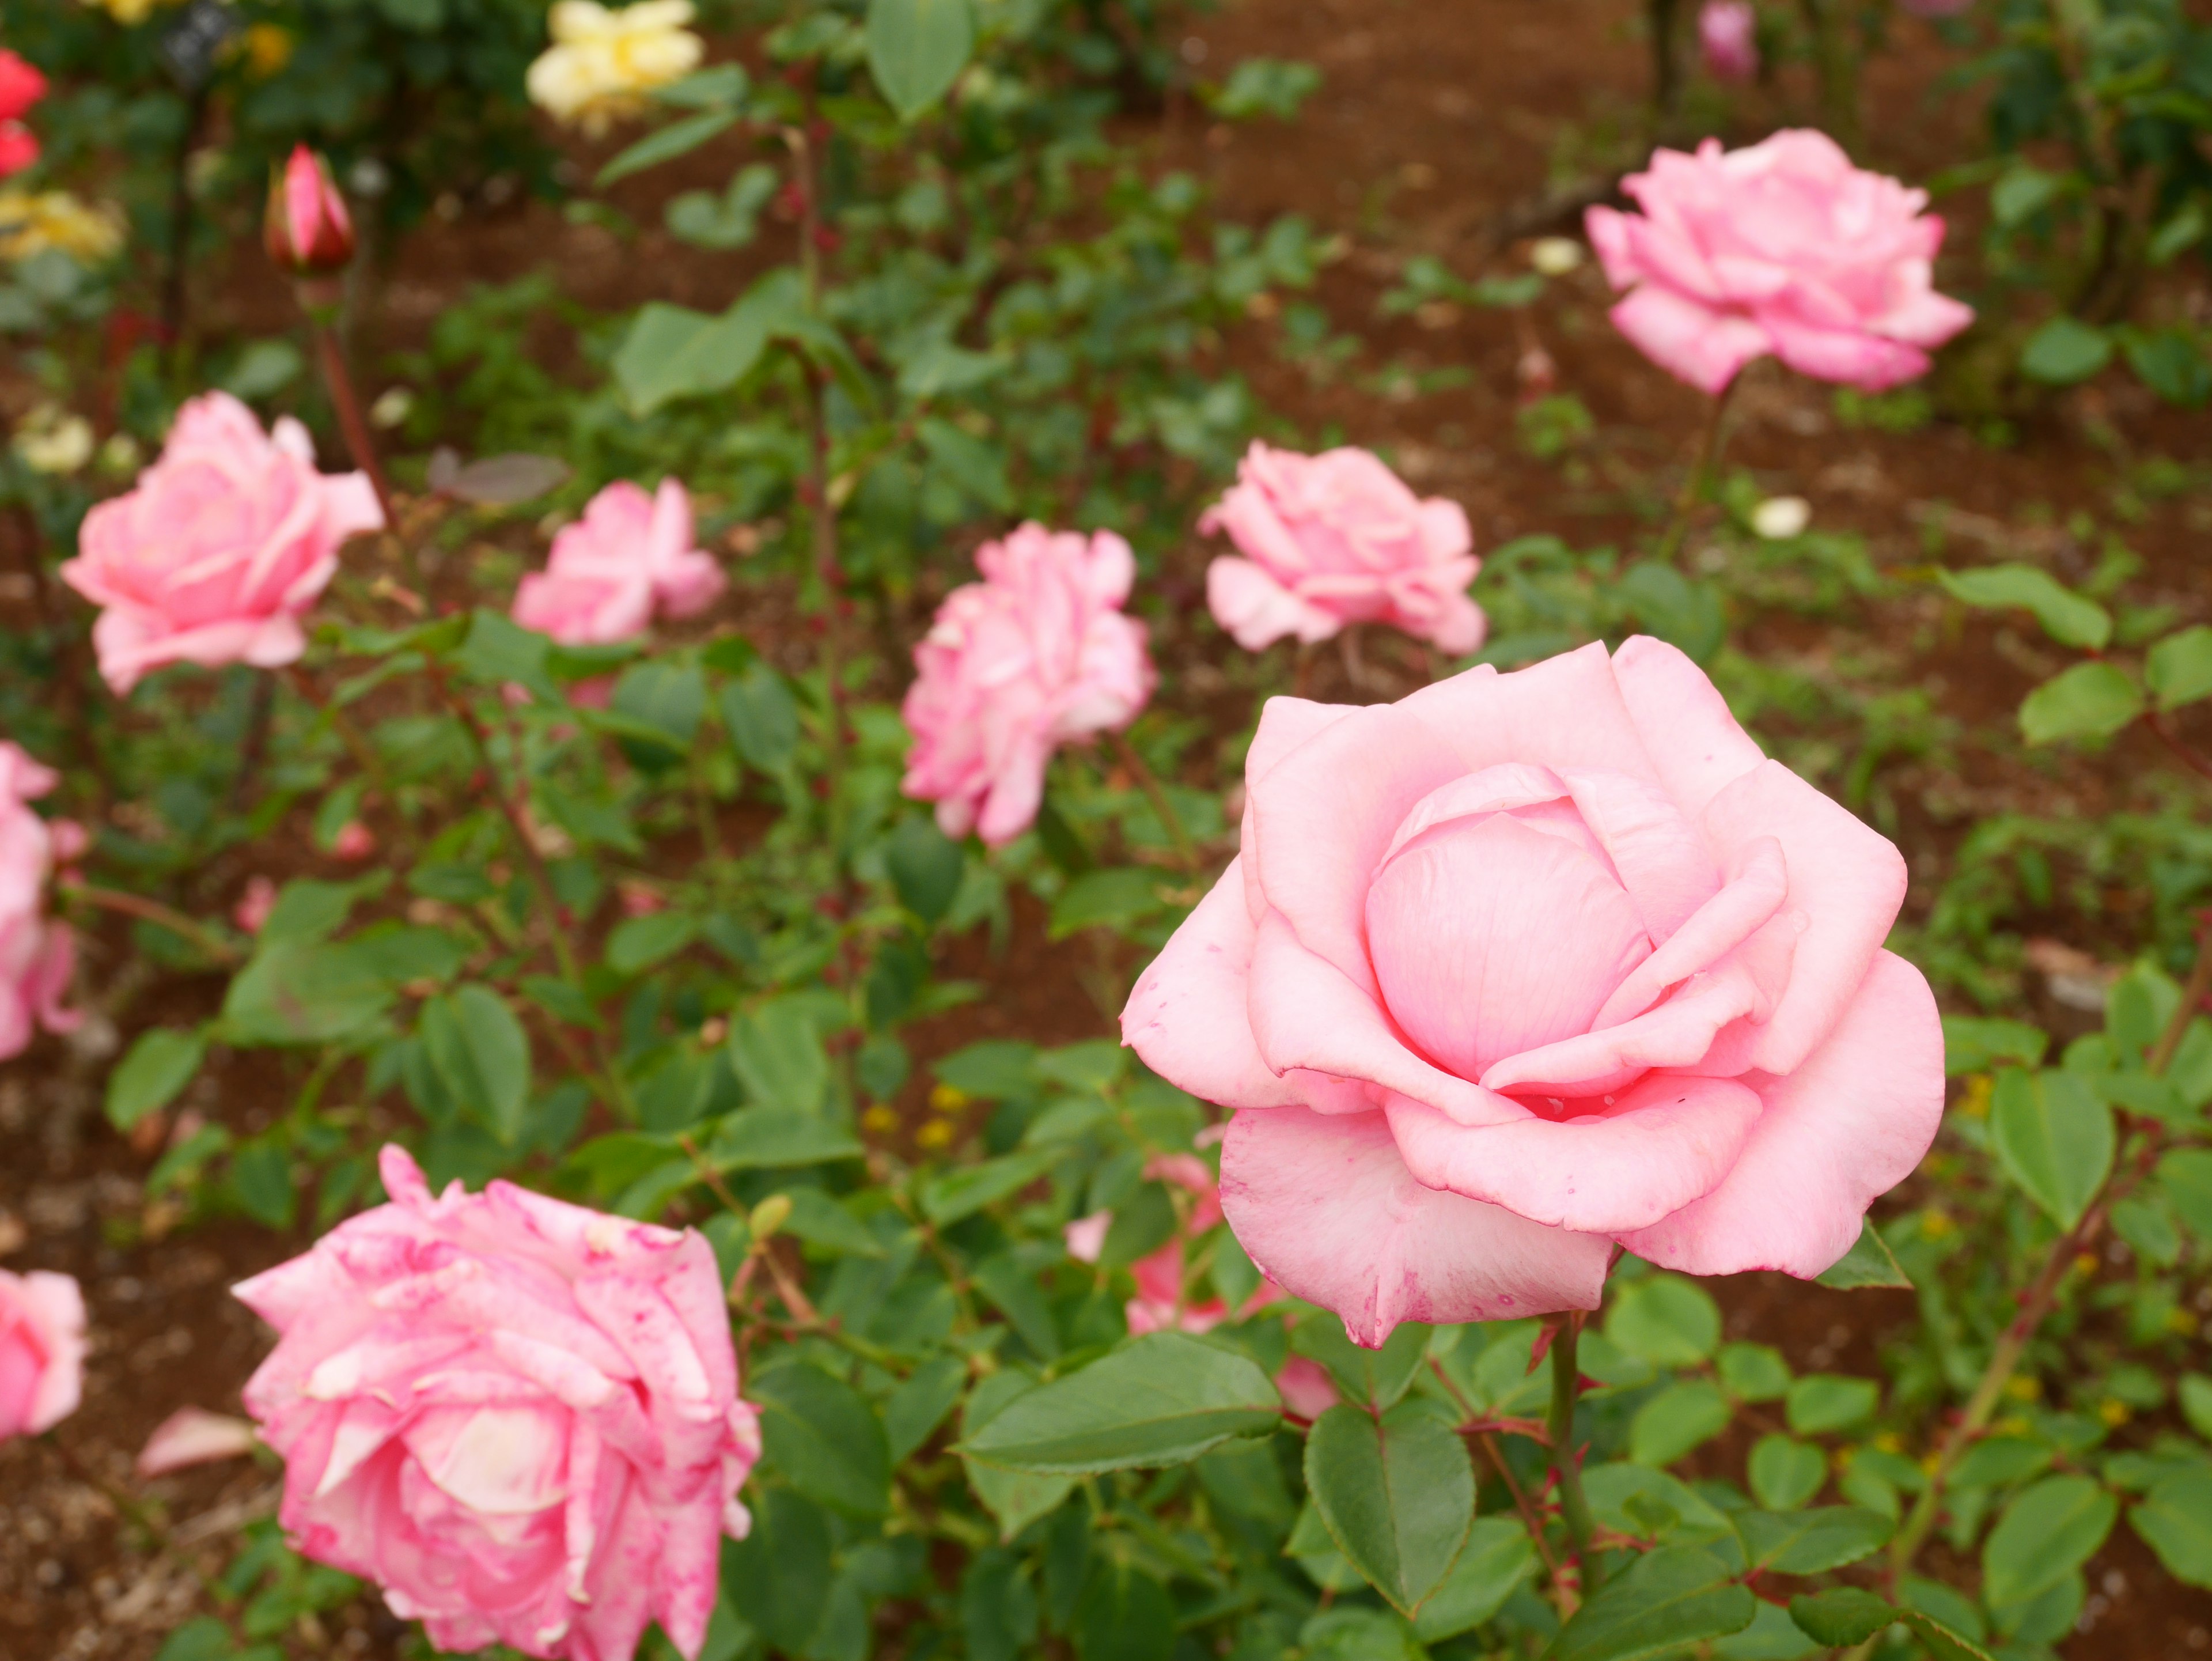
<point x="1659" y="857"/>
<point x="1755" y="891"/>
<point x="1669" y="1140"/>
<point x="193" y="1436"/>
<point x="1684" y="722"/>
<point x="1327" y="1207"/>
<point x="1845" y="356"/>
<point x="1693" y="342"/>
<point x="1848" y="1124"/>
<point x="1256" y="610"/>
<point x="1679" y="1033"/>
<point x="1563" y="712"/>
<point x="1847" y="878"/>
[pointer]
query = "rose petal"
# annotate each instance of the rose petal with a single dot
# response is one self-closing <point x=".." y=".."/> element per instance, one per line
<point x="1755" y="892"/>
<point x="1563" y="712"/>
<point x="1693" y="742"/>
<point x="1694" y="343"/>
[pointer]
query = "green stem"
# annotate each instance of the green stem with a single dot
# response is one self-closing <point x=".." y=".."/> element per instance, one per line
<point x="1148" y="781"/>
<point x="153" y="911"/>
<point x="1566" y="1463"/>
<point x="1693" y="488"/>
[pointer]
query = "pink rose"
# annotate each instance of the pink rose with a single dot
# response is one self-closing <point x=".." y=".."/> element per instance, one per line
<point x="519" y="1417"/>
<point x="630" y="556"/>
<point x="354" y="841"/>
<point x="221" y="546"/>
<point x="1526" y="965"/>
<point x="305" y="226"/>
<point x="38" y="955"/>
<point x="42" y="1351"/>
<point x="1783" y="248"/>
<point x="1337" y="538"/>
<point x="1728" y="37"/>
<point x="1036" y="655"/>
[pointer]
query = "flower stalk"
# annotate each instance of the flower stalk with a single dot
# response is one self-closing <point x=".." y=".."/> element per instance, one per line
<point x="1566" y="1459"/>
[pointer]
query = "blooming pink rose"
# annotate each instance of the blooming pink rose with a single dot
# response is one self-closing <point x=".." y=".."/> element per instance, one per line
<point x="519" y="1417"/>
<point x="38" y="955"/>
<point x="1728" y="37"/>
<point x="630" y="555"/>
<point x="1524" y="966"/>
<point x="1782" y="247"/>
<point x="221" y="546"/>
<point x="42" y="1351"/>
<point x="1337" y="538"/>
<point x="1033" y="656"/>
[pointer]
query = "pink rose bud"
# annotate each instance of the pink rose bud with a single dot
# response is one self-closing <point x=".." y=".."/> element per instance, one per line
<point x="1525" y="967"/>
<point x="519" y="1417"/>
<point x="42" y="1351"/>
<point x="255" y="904"/>
<point x="1085" y="1238"/>
<point x="305" y="226"/>
<point x="1337" y="538"/>
<point x="1160" y="1285"/>
<point x="1036" y="656"/>
<point x="1728" y="37"/>
<point x="1783" y="248"/>
<point x="38" y="955"/>
<point x="193" y="1436"/>
<point x="354" y="840"/>
<point x="220" y="548"/>
<point x="630" y="556"/>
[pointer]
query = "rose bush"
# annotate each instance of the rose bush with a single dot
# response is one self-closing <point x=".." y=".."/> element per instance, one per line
<point x="517" y="1416"/>
<point x="1782" y="247"/>
<point x="1036" y="655"/>
<point x="1525" y="966"/>
<point x="221" y="546"/>
<point x="1337" y="538"/>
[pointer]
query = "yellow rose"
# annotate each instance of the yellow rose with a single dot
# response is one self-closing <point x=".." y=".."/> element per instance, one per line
<point x="603" y="62"/>
<point x="32" y="222"/>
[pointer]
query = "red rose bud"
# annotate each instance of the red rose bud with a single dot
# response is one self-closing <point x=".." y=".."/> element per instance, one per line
<point x="20" y="86"/>
<point x="306" y="229"/>
<point x="19" y="148"/>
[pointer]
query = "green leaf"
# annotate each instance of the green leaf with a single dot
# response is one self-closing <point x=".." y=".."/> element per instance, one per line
<point x="482" y="1053"/>
<point x="779" y="1576"/>
<point x="673" y="352"/>
<point x="761" y="717"/>
<point x="2090" y="699"/>
<point x="1162" y="1399"/>
<point x="1660" y="1604"/>
<point x="1377" y="1378"/>
<point x="147" y="1080"/>
<point x="1683" y="1416"/>
<point x="2179" y="667"/>
<point x="2064" y="351"/>
<point x="1397" y="1494"/>
<point x="668" y="699"/>
<point x="1974" y="1044"/>
<point x="2054" y="1138"/>
<point x="918" y="1406"/>
<point x="777" y="1054"/>
<point x="821" y="1221"/>
<point x="1752" y="1372"/>
<point x="1869" y="1262"/>
<point x="2049" y="1529"/>
<point x="636" y="944"/>
<point x="966" y="1189"/>
<point x="1667" y="1320"/>
<point x="307" y="993"/>
<point x="309" y="910"/>
<point x="1785" y="1473"/>
<point x="1842" y="1616"/>
<point x="499" y="650"/>
<point x="1498" y="1559"/>
<point x="822" y="1437"/>
<point x="772" y="1138"/>
<point x="1823" y="1401"/>
<point x="916" y="50"/>
<point x="2066" y="616"/>
<point x="1772" y="1636"/>
<point x="677" y="138"/>
<point x="261" y="1180"/>
<point x="1811" y="1542"/>
<point x="2174" y="1519"/>
<point x="1110" y="899"/>
<point x="2185" y="1176"/>
<point x="1123" y="1615"/>
<point x="1015" y="1498"/>
<point x="926" y="867"/>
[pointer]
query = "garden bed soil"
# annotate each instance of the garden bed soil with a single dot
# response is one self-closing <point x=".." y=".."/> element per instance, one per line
<point x="1431" y="124"/>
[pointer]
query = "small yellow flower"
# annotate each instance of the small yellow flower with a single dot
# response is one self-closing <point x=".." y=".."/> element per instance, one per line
<point x="129" y="13"/>
<point x="1890" y="1442"/>
<point x="1934" y="1223"/>
<point x="2113" y="1412"/>
<point x="31" y="222"/>
<point x="53" y="439"/>
<point x="879" y="1121"/>
<point x="946" y="1100"/>
<point x="268" y="48"/>
<point x="935" y="1134"/>
<point x="2024" y="1389"/>
<point x="1974" y="1096"/>
<point x="602" y="62"/>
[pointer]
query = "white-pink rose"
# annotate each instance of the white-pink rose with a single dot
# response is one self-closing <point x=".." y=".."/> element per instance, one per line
<point x="519" y="1417"/>
<point x="1524" y="967"/>
<point x="1036" y="655"/>
<point x="1337" y="538"/>
<point x="219" y="549"/>
<point x="628" y="558"/>
<point x="38" y="955"/>
<point x="42" y="1351"/>
<point x="1783" y="248"/>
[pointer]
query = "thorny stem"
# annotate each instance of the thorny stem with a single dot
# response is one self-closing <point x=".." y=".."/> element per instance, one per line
<point x="153" y="911"/>
<point x="1708" y="455"/>
<point x="2035" y="1304"/>
<point x="1147" y="780"/>
<point x="1566" y="1463"/>
<point x="2162" y="725"/>
<point x="339" y="380"/>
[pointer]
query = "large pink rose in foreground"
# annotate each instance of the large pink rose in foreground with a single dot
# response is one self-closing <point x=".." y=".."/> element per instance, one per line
<point x="1782" y="247"/>
<point x="42" y="1351"/>
<point x="220" y="547"/>
<point x="1034" y="656"/>
<point x="38" y="956"/>
<point x="630" y="556"/>
<point x="519" y="1417"/>
<point x="1337" y="538"/>
<point x="1527" y="965"/>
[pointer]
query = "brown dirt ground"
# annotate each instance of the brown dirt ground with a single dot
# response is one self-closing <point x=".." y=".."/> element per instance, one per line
<point x="1432" y="122"/>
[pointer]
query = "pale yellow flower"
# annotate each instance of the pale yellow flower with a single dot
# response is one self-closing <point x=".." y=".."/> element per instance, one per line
<point x="33" y="222"/>
<point x="603" y="62"/>
<point x="51" y="440"/>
